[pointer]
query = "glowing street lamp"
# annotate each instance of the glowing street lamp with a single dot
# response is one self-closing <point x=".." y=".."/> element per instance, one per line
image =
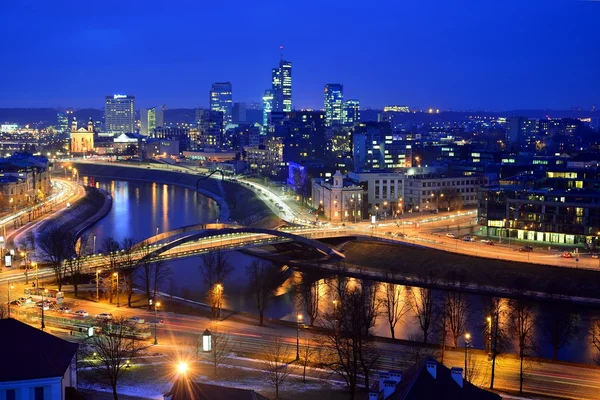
<point x="220" y="294"/>
<point x="156" y="305"/>
<point x="97" y="287"/>
<point x="116" y="275"/>
<point x="298" y="320"/>
<point x="467" y="340"/>
<point x="182" y="368"/>
<point x="10" y="287"/>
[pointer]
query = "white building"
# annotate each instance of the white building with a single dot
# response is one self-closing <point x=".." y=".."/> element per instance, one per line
<point x="36" y="365"/>
<point x="338" y="202"/>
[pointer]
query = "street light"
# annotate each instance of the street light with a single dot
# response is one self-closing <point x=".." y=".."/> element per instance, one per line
<point x="182" y="368"/>
<point x="43" y="304"/>
<point x="467" y="339"/>
<point x="97" y="281"/>
<point x="298" y="320"/>
<point x="489" y="335"/>
<point x="116" y="275"/>
<point x="156" y="305"/>
<point x="10" y="287"/>
<point x="220" y="293"/>
<point x="94" y="245"/>
<point x="37" y="281"/>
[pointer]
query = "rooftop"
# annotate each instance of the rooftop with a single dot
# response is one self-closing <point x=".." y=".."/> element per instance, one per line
<point x="188" y="390"/>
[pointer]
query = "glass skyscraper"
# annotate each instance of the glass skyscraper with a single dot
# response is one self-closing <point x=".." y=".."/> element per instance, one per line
<point x="150" y="119"/>
<point x="351" y="112"/>
<point x="119" y="114"/>
<point x="334" y="101"/>
<point x="267" y="108"/>
<point x="282" y="87"/>
<point x="221" y="100"/>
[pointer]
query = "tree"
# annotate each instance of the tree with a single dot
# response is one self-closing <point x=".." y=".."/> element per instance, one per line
<point x="307" y="355"/>
<point x="53" y="247"/>
<point x="307" y="291"/>
<point x="422" y="305"/>
<point x="261" y="284"/>
<point x="215" y="269"/>
<point x="128" y="266"/>
<point x="275" y="363"/>
<point x="78" y="249"/>
<point x="145" y="264"/>
<point x="111" y="350"/>
<point x="450" y="199"/>
<point x="559" y="326"/>
<point x="161" y="272"/>
<point x="393" y="306"/>
<point x="458" y="312"/>
<point x="111" y="250"/>
<point x="221" y="348"/>
<point x="522" y="322"/>
<point x="496" y="309"/>
<point x="594" y="334"/>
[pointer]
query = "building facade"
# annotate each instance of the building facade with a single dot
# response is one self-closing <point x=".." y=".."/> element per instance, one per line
<point x="432" y="192"/>
<point x="338" y="201"/>
<point x="150" y="119"/>
<point x="221" y="99"/>
<point x="82" y="140"/>
<point x="351" y="112"/>
<point x="119" y="114"/>
<point x="334" y="104"/>
<point x="267" y="108"/>
<point x="559" y="205"/>
<point x="210" y="129"/>
<point x="24" y="181"/>
<point x="281" y="81"/>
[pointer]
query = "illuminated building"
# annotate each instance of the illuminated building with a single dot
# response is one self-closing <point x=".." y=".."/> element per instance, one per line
<point x="338" y="201"/>
<point x="82" y="139"/>
<point x="221" y="100"/>
<point x="119" y="114"/>
<point x="210" y="130"/>
<point x="281" y="80"/>
<point x="151" y="118"/>
<point x="334" y="100"/>
<point x="62" y="122"/>
<point x="351" y="112"/>
<point x="267" y="108"/>
<point x="374" y="146"/>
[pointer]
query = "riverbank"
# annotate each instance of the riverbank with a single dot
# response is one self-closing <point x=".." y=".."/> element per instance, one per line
<point x="81" y="215"/>
<point x="236" y="203"/>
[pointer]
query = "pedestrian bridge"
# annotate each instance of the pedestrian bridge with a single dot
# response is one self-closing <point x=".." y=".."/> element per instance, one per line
<point x="202" y="238"/>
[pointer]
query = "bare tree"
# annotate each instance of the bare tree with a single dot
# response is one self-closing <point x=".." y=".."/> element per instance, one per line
<point x="458" y="312"/>
<point x="392" y="304"/>
<point x="260" y="280"/>
<point x="275" y="363"/>
<point x="161" y="272"/>
<point x="422" y="305"/>
<point x="215" y="269"/>
<point x="144" y="269"/>
<point x="559" y="326"/>
<point x="307" y="291"/>
<point x="128" y="266"/>
<point x="522" y="322"/>
<point x="111" y="249"/>
<point x="3" y="311"/>
<point x="308" y="354"/>
<point x="498" y="340"/>
<point x="53" y="247"/>
<point x="111" y="351"/>
<point x="221" y="348"/>
<point x="594" y="335"/>
<point x="78" y="249"/>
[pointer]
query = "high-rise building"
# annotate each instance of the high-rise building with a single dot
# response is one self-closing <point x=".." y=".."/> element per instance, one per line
<point x="62" y="122"/>
<point x="119" y="114"/>
<point x="239" y="113"/>
<point x="334" y="100"/>
<point x="150" y="119"/>
<point x="267" y="108"/>
<point x="282" y="87"/>
<point x="221" y="100"/>
<point x="351" y="112"/>
<point x="210" y="129"/>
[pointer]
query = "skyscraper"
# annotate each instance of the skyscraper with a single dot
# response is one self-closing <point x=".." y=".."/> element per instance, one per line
<point x="150" y="119"/>
<point x="351" y="112"/>
<point x="119" y="114"/>
<point x="282" y="87"/>
<point x="221" y="100"/>
<point x="334" y="99"/>
<point x="267" y="108"/>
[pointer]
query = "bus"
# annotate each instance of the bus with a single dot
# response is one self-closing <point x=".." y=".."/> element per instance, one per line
<point x="51" y="295"/>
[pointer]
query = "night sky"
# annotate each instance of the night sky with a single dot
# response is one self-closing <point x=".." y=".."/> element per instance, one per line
<point x="471" y="54"/>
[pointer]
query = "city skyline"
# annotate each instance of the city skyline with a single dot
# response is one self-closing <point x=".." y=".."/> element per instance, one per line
<point x="422" y="55"/>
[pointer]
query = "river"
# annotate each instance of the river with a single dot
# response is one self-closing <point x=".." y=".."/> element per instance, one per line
<point x="140" y="208"/>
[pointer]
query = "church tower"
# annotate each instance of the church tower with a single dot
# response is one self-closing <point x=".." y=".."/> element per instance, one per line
<point x="74" y="125"/>
<point x="91" y="125"/>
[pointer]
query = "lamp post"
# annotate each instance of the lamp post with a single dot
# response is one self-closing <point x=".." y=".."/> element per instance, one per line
<point x="220" y="294"/>
<point x="156" y="305"/>
<point x="43" y="304"/>
<point x="489" y="335"/>
<point x="97" y="287"/>
<point x="37" y="281"/>
<point x="10" y="287"/>
<point x="298" y="320"/>
<point x="94" y="245"/>
<point x="467" y="338"/>
<point x="385" y="210"/>
<point x="116" y="275"/>
<point x="157" y="230"/>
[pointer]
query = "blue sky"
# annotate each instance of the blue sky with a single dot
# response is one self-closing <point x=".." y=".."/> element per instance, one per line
<point x="470" y="54"/>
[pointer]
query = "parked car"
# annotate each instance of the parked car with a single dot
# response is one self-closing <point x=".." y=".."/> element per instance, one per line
<point x="566" y="254"/>
<point x="106" y="316"/>
<point x="64" y="309"/>
<point x="43" y="304"/>
<point x="81" y="313"/>
<point x="485" y="241"/>
<point x="156" y="322"/>
<point x="401" y="235"/>
<point x="468" y="239"/>
<point x="451" y="235"/>
<point x="136" y="320"/>
<point x="595" y="255"/>
<point x="526" y="249"/>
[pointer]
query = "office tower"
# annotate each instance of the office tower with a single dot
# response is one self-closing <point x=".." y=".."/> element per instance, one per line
<point x="119" y="114"/>
<point x="210" y="129"/>
<point x="267" y="108"/>
<point x="351" y="112"/>
<point x="239" y="113"/>
<point x="62" y="122"/>
<point x="282" y="87"/>
<point x="221" y="100"/>
<point x="334" y="99"/>
<point x="151" y="118"/>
